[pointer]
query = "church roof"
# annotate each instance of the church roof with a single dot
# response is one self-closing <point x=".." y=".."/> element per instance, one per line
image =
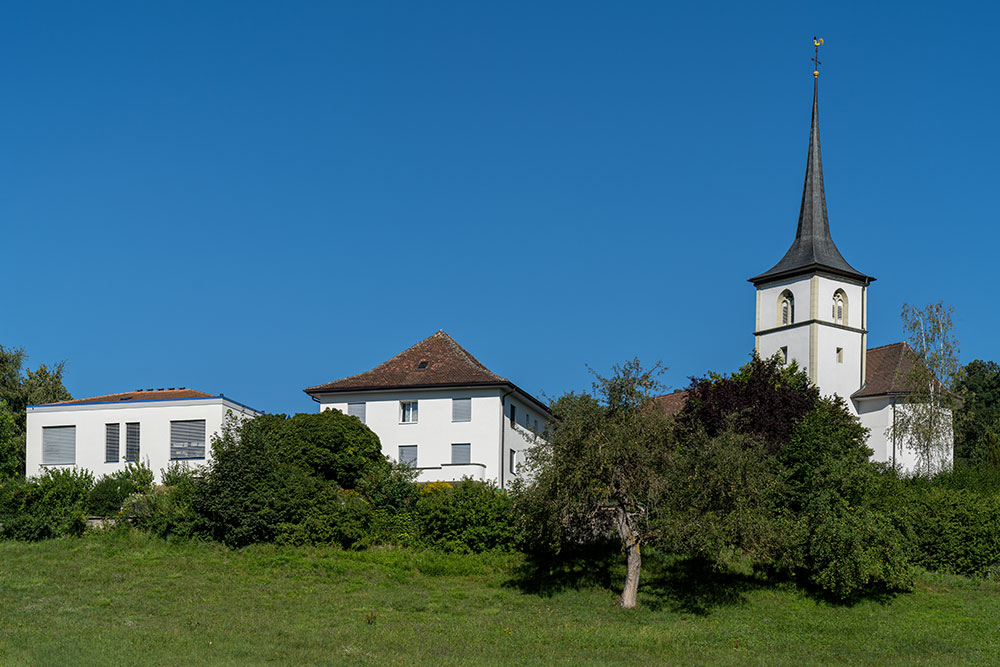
<point x="436" y="361"/>
<point x="813" y="248"/>
<point x="887" y="371"/>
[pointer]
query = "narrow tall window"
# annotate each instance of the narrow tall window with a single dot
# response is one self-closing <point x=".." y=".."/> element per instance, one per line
<point x="357" y="410"/>
<point x="513" y="414"/>
<point x="461" y="409"/>
<point x="408" y="455"/>
<point x="408" y="412"/>
<point x="840" y="307"/>
<point x="112" y="442"/>
<point x="132" y="442"/>
<point x="187" y="439"/>
<point x="513" y="461"/>
<point x="786" y="309"/>
<point x="784" y="355"/>
<point x="461" y="453"/>
<point x="58" y="445"/>
<point x="840" y="355"/>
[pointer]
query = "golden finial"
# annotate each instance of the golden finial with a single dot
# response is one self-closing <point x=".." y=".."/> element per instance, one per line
<point x="817" y="41"/>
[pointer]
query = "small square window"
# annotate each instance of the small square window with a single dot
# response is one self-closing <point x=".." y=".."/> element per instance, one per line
<point x="461" y="409"/>
<point x="461" y="453"/>
<point x="356" y="410"/>
<point x="408" y="455"/>
<point x="408" y="412"/>
<point x="422" y="365"/>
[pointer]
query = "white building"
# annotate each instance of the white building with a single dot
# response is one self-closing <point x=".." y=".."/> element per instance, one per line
<point x="812" y="307"/>
<point x="104" y="433"/>
<point x="436" y="407"/>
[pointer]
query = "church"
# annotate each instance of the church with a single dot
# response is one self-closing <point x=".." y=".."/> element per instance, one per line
<point x="812" y="307"/>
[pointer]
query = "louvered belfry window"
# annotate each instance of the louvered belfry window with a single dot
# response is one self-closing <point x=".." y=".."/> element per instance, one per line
<point x="461" y="409"/>
<point x="132" y="441"/>
<point x="356" y="410"/>
<point x="112" y="442"/>
<point x="58" y="445"/>
<point x="187" y="439"/>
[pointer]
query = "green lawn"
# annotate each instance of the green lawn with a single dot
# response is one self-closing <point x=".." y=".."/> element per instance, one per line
<point x="108" y="599"/>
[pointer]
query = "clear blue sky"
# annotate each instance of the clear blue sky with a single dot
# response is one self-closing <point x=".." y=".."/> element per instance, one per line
<point x="251" y="198"/>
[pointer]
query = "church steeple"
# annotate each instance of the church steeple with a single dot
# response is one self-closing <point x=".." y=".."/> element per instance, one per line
<point x="813" y="248"/>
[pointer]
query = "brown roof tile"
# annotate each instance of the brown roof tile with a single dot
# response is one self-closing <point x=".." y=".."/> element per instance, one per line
<point x="139" y="395"/>
<point x="671" y="404"/>
<point x="887" y="369"/>
<point x="436" y="360"/>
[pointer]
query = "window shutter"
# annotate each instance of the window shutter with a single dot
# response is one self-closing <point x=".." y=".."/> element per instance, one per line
<point x="58" y="445"/>
<point x="187" y="439"/>
<point x="408" y="454"/>
<point x="461" y="409"/>
<point x="461" y="453"/>
<point x="356" y="410"/>
<point x="132" y="441"/>
<point x="112" y="442"/>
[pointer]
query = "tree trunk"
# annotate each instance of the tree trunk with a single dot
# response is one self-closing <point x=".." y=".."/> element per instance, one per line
<point x="630" y="543"/>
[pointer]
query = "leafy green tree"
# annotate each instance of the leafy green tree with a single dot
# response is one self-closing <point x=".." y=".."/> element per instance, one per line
<point x="925" y="424"/>
<point x="979" y="414"/>
<point x="603" y="470"/>
<point x="19" y="388"/>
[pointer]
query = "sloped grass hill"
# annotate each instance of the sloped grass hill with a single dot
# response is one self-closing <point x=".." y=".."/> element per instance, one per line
<point x="132" y="599"/>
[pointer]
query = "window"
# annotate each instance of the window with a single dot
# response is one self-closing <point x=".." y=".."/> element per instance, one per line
<point x="423" y="365"/>
<point x="839" y="312"/>
<point x="112" y="442"/>
<point x="461" y="453"/>
<point x="536" y="426"/>
<point x="187" y="439"/>
<point x="58" y="445"/>
<point x="786" y="309"/>
<point x="513" y="414"/>
<point x="408" y="455"/>
<point x="513" y="460"/>
<point x="132" y="442"/>
<point x="357" y="410"/>
<point x="784" y="355"/>
<point x="461" y="409"/>
<point x="840" y="355"/>
<point x="408" y="412"/>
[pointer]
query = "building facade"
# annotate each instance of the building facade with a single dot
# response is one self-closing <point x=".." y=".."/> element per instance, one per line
<point x="436" y="407"/>
<point x="812" y="308"/>
<point x="103" y="434"/>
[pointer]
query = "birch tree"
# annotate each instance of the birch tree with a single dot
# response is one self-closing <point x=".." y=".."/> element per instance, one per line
<point x="925" y="424"/>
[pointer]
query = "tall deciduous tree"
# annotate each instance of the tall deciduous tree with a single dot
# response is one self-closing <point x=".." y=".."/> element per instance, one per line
<point x="978" y="421"/>
<point x="602" y="471"/>
<point x="925" y="423"/>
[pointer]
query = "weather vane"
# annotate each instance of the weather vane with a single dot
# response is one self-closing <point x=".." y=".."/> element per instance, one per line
<point x="817" y="41"/>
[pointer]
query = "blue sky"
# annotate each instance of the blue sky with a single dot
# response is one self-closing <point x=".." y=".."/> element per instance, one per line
<point x="251" y="198"/>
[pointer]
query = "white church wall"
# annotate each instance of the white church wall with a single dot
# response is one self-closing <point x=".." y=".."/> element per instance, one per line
<point x="878" y="415"/>
<point x="769" y="296"/>
<point x="838" y="373"/>
<point x="796" y="340"/>
<point x="824" y="294"/>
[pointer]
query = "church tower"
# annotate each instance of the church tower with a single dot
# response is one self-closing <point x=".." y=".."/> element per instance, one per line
<point x="812" y="305"/>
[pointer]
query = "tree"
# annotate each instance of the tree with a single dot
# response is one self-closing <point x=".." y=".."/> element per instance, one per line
<point x="924" y="424"/>
<point x="19" y="388"/>
<point x="603" y="470"/>
<point x="979" y="415"/>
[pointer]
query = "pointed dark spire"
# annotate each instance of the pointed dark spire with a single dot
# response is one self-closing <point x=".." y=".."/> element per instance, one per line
<point x="813" y="248"/>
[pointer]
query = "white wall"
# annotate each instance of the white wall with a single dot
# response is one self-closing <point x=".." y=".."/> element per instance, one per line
<point x="435" y="432"/>
<point x="876" y="414"/>
<point x="154" y="419"/>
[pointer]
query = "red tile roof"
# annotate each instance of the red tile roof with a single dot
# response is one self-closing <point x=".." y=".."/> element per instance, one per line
<point x="673" y="403"/>
<point x="887" y="369"/>
<point x="436" y="361"/>
<point x="139" y="395"/>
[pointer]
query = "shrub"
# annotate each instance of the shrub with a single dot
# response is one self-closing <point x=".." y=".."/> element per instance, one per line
<point x="469" y="517"/>
<point x="336" y="447"/>
<point x="166" y="510"/>
<point x="341" y="518"/>
<point x="50" y="505"/>
<point x="110" y="491"/>
<point x="956" y="530"/>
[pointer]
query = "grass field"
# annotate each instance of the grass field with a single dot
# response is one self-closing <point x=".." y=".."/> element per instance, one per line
<point x="130" y="599"/>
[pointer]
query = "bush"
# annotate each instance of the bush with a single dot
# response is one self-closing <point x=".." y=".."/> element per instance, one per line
<point x="468" y="517"/>
<point x="110" y="491"/>
<point x="956" y="530"/>
<point x="166" y="510"/>
<point x="50" y="505"/>
<point x="342" y="518"/>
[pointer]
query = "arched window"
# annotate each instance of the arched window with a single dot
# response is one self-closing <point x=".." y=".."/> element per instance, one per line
<point x="839" y="313"/>
<point x="786" y="309"/>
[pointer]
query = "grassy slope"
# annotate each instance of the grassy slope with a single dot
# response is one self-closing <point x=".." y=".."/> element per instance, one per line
<point x="116" y="600"/>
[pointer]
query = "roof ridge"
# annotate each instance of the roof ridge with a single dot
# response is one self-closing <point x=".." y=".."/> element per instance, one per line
<point x="902" y="342"/>
<point x="468" y="355"/>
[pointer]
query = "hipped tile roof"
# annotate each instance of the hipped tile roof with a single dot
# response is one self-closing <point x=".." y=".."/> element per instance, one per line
<point x="436" y="361"/>
<point x="887" y="370"/>
<point x="671" y="404"/>
<point x="139" y="395"/>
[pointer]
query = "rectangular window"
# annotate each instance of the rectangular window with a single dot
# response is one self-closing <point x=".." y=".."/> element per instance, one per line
<point x="408" y="455"/>
<point x="527" y="419"/>
<point x="513" y="414"/>
<point x="58" y="445"/>
<point x="536" y="426"/>
<point x="112" y="442"/>
<point x="187" y="439"/>
<point x="357" y="410"/>
<point x="408" y="412"/>
<point x="461" y="409"/>
<point x="840" y="355"/>
<point x="513" y="461"/>
<point x="132" y="441"/>
<point x="784" y="355"/>
<point x="461" y="453"/>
